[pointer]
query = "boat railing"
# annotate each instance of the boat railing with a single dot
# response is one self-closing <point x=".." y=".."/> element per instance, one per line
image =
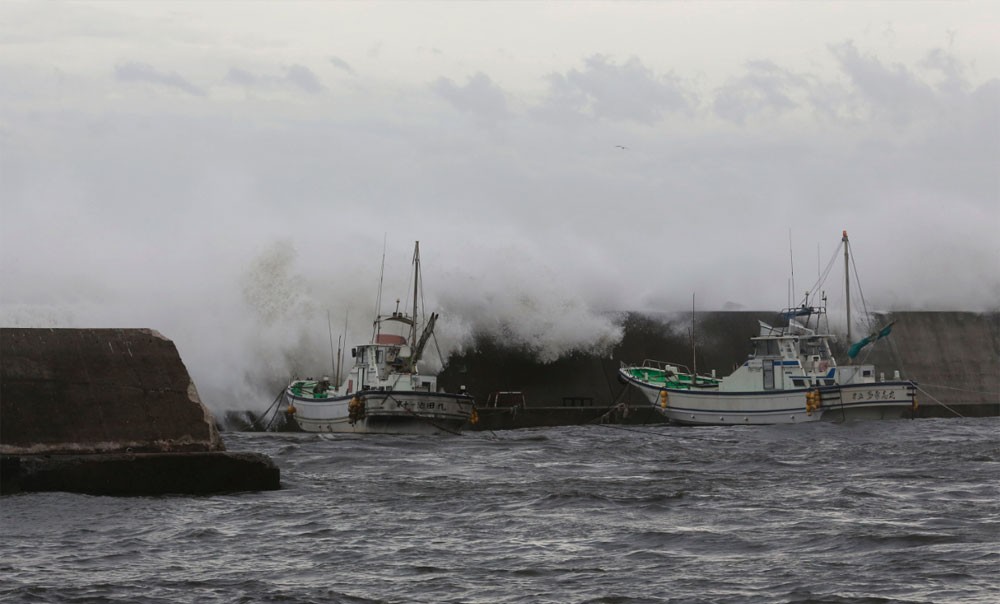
<point x="678" y="372"/>
<point x="513" y="398"/>
<point x="665" y="366"/>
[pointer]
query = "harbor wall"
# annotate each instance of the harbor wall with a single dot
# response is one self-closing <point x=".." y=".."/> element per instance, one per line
<point x="75" y="391"/>
<point x="110" y="411"/>
<point x="954" y="356"/>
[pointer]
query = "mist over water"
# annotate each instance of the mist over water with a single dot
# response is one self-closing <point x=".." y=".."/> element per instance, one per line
<point x="235" y="194"/>
<point x="298" y="314"/>
<point x="284" y="311"/>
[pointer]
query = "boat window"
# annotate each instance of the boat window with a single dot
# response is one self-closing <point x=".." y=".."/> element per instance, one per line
<point x="799" y="383"/>
<point x="378" y="355"/>
<point x="764" y="348"/>
<point x="769" y="374"/>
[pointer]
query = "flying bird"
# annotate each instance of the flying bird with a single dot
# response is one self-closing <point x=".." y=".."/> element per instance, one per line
<point x="621" y="146"/>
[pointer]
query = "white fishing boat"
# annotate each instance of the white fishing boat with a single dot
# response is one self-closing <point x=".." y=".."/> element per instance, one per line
<point x="790" y="377"/>
<point x="384" y="392"/>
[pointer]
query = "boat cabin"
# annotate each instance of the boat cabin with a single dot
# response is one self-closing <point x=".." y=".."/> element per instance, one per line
<point x="388" y="363"/>
<point x="789" y="358"/>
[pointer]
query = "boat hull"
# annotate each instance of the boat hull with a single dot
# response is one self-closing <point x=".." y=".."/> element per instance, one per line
<point x="382" y="412"/>
<point x="711" y="407"/>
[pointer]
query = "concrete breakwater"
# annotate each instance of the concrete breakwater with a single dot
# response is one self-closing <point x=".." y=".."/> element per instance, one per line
<point x="954" y="356"/>
<point x="110" y="411"/>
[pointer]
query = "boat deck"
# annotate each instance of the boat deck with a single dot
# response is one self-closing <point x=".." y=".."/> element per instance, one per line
<point x="657" y="376"/>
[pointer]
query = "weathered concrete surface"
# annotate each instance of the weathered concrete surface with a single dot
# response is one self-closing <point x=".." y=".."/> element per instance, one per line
<point x="110" y="411"/>
<point x="954" y="357"/>
<point x="74" y="391"/>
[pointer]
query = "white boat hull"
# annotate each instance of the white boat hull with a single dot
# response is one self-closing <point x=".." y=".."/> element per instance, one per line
<point x="710" y="407"/>
<point x="384" y="412"/>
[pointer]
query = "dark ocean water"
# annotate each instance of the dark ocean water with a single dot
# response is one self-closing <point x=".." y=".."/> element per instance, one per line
<point x="901" y="511"/>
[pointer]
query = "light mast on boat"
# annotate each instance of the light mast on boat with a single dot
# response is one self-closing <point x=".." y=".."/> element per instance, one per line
<point x="847" y="282"/>
<point x="416" y="284"/>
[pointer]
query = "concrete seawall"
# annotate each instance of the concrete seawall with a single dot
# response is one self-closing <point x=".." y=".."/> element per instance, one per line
<point x="954" y="356"/>
<point x="110" y="411"/>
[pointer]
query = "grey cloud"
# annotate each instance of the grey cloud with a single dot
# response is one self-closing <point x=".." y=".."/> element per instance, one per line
<point x="619" y="92"/>
<point x="894" y="92"/>
<point x="480" y="96"/>
<point x="765" y="88"/>
<point x="142" y="72"/>
<point x="241" y="77"/>
<point x="342" y="64"/>
<point x="950" y="67"/>
<point x="304" y="78"/>
<point x="296" y="76"/>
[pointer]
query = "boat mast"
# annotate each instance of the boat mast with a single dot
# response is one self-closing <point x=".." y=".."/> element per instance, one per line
<point x="694" y="349"/>
<point x="847" y="282"/>
<point x="378" y="298"/>
<point x="333" y="360"/>
<point x="416" y="285"/>
<point x="336" y="371"/>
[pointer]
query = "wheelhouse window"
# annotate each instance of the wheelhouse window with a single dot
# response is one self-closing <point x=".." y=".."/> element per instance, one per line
<point x="765" y="348"/>
<point x="811" y="347"/>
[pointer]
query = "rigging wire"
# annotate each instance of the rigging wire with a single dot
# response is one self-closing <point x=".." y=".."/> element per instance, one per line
<point x="276" y="407"/>
<point x="826" y="271"/>
<point x="919" y="387"/>
<point x="864" y="305"/>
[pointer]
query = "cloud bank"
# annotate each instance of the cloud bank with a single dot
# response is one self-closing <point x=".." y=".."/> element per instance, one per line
<point x="240" y="203"/>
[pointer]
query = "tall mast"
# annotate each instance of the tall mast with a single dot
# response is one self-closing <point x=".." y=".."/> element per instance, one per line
<point x="694" y="349"/>
<point x="847" y="283"/>
<point x="378" y="298"/>
<point x="329" y="329"/>
<point x="416" y="285"/>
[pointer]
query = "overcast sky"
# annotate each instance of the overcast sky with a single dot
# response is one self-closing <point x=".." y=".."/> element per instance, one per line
<point x="227" y="172"/>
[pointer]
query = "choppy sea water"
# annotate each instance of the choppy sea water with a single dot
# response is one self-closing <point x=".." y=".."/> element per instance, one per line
<point x="894" y="511"/>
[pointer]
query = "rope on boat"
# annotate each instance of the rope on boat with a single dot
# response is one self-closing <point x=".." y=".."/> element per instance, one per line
<point x="930" y="396"/>
<point x="616" y="401"/>
<point x="426" y="419"/>
<point x="997" y="394"/>
<point x="256" y="422"/>
<point x="918" y="386"/>
<point x="615" y="405"/>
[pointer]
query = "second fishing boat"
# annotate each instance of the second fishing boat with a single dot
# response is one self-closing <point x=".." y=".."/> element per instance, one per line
<point x="790" y="377"/>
